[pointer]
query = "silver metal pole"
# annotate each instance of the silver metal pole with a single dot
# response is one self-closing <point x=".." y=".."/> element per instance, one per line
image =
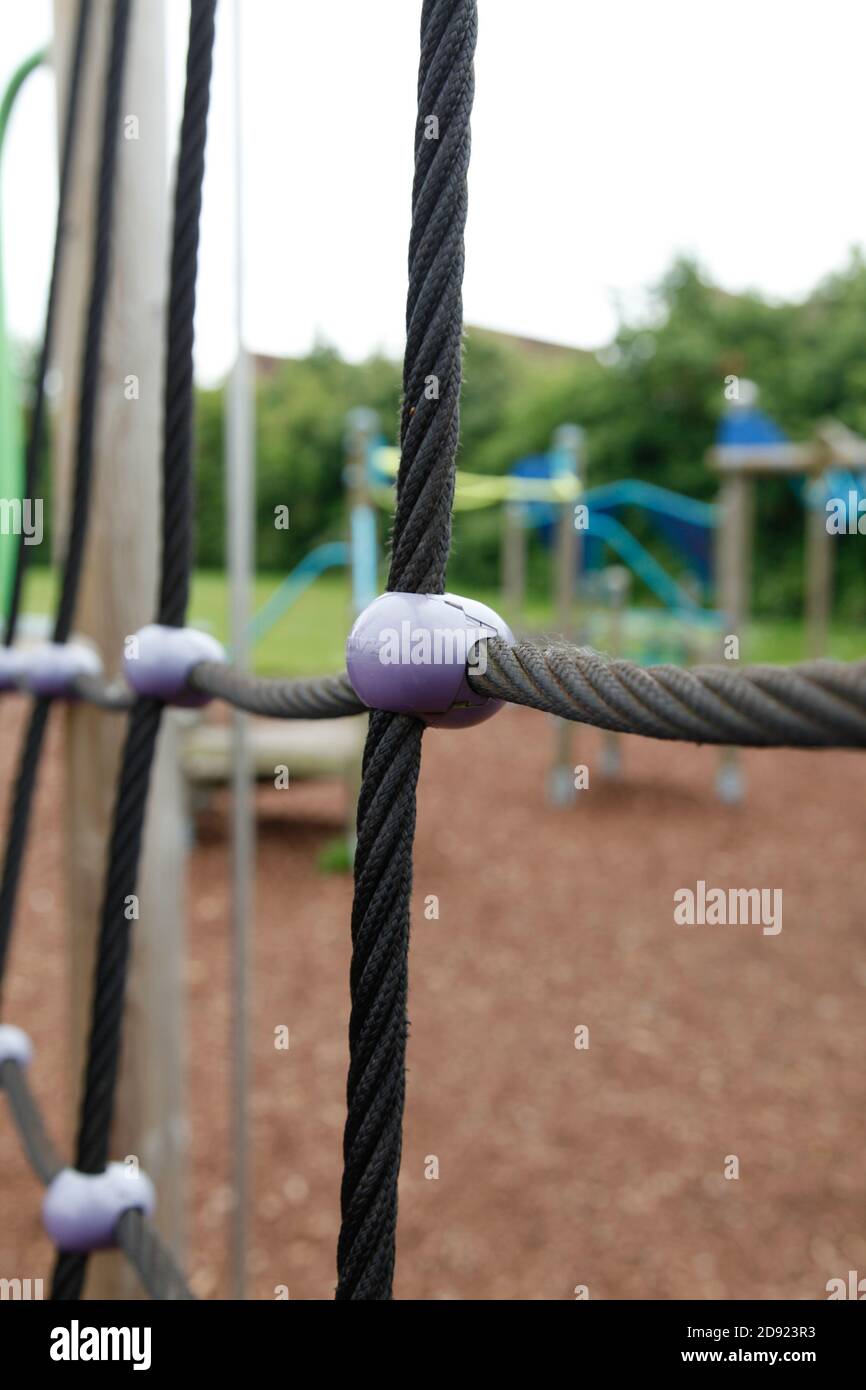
<point x="240" y="536"/>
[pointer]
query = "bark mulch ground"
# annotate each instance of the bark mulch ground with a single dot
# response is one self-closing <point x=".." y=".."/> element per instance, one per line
<point x="557" y="1166"/>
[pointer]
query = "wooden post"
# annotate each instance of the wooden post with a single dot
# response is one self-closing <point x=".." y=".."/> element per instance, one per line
<point x="734" y="570"/>
<point x="118" y="595"/>
<point x="819" y="568"/>
<point x="617" y="585"/>
<point x="735" y="550"/>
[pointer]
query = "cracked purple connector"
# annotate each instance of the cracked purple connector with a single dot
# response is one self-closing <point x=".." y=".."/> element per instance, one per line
<point x="80" y="1211"/>
<point x="157" y="661"/>
<point x="408" y="653"/>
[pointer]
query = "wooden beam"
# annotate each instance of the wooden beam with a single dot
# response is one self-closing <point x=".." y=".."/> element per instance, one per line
<point x="767" y="458"/>
<point x="734" y="553"/>
<point x="844" y="448"/>
<point x="118" y="595"/>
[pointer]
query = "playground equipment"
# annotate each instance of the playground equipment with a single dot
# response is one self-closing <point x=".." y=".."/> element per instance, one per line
<point x="552" y="494"/>
<point x="687" y="524"/>
<point x="750" y="445"/>
<point x="816" y="705"/>
<point x="547" y="493"/>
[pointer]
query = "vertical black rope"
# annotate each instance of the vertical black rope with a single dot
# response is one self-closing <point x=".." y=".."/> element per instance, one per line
<point x="37" y="419"/>
<point x="104" y="1044"/>
<point x="19" y="819"/>
<point x="420" y="544"/>
<point x="22" y="797"/>
<point x="177" y="478"/>
<point x="74" y="558"/>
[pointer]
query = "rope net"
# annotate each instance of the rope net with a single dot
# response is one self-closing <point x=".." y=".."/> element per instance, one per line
<point x="811" y="705"/>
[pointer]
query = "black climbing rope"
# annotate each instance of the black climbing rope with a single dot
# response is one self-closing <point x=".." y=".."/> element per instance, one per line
<point x="25" y="782"/>
<point x="37" y="419"/>
<point x="103" y="1052"/>
<point x="816" y="704"/>
<point x="420" y="544"/>
<point x="88" y="394"/>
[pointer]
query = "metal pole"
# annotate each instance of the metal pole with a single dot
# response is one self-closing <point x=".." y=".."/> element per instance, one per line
<point x="734" y="580"/>
<point x="567" y="450"/>
<point x="240" y="506"/>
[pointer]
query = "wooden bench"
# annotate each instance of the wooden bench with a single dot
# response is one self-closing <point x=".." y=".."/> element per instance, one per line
<point x="308" y="748"/>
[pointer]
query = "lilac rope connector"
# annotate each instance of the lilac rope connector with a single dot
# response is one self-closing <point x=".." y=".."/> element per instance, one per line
<point x="15" y="1046"/>
<point x="52" y="668"/>
<point x="408" y="653"/>
<point x="157" y="661"/>
<point x="11" y="667"/>
<point x="80" y="1211"/>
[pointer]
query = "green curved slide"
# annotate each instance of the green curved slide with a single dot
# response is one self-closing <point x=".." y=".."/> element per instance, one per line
<point x="11" y="452"/>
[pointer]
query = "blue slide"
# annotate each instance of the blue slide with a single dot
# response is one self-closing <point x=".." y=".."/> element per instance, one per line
<point x="297" y="581"/>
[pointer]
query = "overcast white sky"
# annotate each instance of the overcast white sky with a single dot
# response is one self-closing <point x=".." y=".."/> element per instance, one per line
<point x="606" y="138"/>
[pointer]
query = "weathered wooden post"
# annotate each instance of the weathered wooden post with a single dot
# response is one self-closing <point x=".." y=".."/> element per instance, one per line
<point x="118" y="595"/>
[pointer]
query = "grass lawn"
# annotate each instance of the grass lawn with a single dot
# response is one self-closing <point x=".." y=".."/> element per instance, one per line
<point x="308" y="640"/>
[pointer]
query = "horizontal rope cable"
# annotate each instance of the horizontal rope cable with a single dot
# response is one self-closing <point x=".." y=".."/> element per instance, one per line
<point x="104" y="694"/>
<point x="324" y="697"/>
<point x="816" y="704"/>
<point x="40" y="1151"/>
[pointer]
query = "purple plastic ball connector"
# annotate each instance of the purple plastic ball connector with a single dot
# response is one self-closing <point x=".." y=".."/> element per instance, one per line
<point x="80" y="1211"/>
<point x="12" y="663"/>
<point x="53" y="667"/>
<point x="157" y="661"/>
<point x="408" y="653"/>
<point x="15" y="1046"/>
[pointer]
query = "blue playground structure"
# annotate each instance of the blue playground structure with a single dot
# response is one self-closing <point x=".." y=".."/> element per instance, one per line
<point x="686" y="524"/>
<point x="747" y="426"/>
<point x="329" y="555"/>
